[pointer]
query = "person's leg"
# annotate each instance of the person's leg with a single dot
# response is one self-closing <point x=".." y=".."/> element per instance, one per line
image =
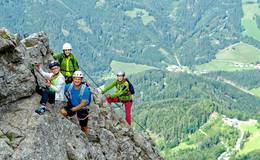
<point x="63" y="111"/>
<point x="83" y="120"/>
<point x="66" y="111"/>
<point x="128" y="106"/>
<point x="111" y="100"/>
<point x="39" y="90"/>
<point x="45" y="96"/>
<point x="51" y="97"/>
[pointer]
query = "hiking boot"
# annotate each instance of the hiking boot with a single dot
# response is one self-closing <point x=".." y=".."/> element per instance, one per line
<point x="40" y="110"/>
<point x="85" y="130"/>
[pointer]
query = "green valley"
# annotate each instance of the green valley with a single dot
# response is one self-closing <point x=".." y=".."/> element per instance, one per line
<point x="185" y="113"/>
<point x="251" y="10"/>
<point x="253" y="140"/>
<point x="130" y="68"/>
<point x="236" y="57"/>
<point x="195" y="65"/>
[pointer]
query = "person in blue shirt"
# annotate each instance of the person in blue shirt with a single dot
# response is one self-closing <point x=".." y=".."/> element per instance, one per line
<point x="79" y="98"/>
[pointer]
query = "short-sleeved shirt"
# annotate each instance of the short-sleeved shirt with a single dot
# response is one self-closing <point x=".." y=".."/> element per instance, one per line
<point x="75" y="95"/>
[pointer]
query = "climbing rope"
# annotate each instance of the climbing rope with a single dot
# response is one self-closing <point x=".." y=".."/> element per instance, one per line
<point x="118" y="106"/>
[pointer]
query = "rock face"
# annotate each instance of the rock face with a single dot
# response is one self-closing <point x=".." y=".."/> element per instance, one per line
<point x="25" y="135"/>
<point x="17" y="56"/>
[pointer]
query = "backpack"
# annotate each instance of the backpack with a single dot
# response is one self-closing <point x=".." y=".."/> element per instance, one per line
<point x="82" y="89"/>
<point x="131" y="87"/>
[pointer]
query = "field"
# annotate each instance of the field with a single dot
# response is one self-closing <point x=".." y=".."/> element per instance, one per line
<point x="253" y="142"/>
<point x="256" y="91"/>
<point x="237" y="57"/>
<point x="248" y="20"/>
<point x="146" y="18"/>
<point x="215" y="126"/>
<point x="129" y="68"/>
<point x="82" y="25"/>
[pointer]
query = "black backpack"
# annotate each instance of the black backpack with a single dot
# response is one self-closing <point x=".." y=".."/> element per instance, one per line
<point x="131" y="87"/>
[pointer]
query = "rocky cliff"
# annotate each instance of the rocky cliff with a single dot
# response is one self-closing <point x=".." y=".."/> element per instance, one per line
<point x="25" y="135"/>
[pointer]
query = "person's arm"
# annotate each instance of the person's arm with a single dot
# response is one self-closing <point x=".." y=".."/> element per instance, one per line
<point x="76" y="65"/>
<point x="84" y="100"/>
<point x="78" y="107"/>
<point x="122" y="91"/>
<point x="108" y="87"/>
<point x="59" y="85"/>
<point x="45" y="74"/>
<point x="56" y="55"/>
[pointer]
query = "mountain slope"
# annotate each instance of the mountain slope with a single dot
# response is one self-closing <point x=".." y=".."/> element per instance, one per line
<point x="175" y="105"/>
<point x="162" y="86"/>
<point x="131" y="31"/>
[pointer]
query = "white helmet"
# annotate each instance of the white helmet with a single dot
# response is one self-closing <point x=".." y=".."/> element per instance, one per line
<point x="120" y="73"/>
<point x="78" y="74"/>
<point x="66" y="46"/>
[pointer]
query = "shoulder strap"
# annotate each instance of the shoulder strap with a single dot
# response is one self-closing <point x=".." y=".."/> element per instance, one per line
<point x="127" y="80"/>
<point x="82" y="89"/>
<point x="69" y="90"/>
<point x="124" y="85"/>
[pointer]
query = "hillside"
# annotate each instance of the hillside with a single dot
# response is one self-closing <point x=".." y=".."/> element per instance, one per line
<point x="163" y="86"/>
<point x="140" y="31"/>
<point x="237" y="57"/>
<point x="188" y="60"/>
<point x="247" y="79"/>
<point x="177" y="105"/>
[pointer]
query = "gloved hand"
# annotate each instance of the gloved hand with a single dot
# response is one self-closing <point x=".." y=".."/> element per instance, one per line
<point x="70" y="112"/>
<point x="99" y="91"/>
<point x="37" y="67"/>
<point x="108" y="96"/>
<point x="50" y="51"/>
<point x="48" y="83"/>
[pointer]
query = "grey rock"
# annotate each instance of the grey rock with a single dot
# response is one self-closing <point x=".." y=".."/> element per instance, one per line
<point x="25" y="135"/>
<point x="108" y="142"/>
<point x="16" y="59"/>
<point x="6" y="41"/>
<point x="5" y="150"/>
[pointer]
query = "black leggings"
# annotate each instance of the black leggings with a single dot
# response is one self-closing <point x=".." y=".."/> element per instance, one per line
<point x="47" y="96"/>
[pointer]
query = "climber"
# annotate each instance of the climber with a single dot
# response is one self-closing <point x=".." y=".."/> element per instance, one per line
<point x="54" y="82"/>
<point x="68" y="62"/>
<point x="123" y="94"/>
<point x="79" y="98"/>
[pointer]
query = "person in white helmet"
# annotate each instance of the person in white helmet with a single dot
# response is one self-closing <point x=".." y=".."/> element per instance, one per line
<point x="79" y="98"/>
<point x="68" y="62"/>
<point x="124" y="93"/>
